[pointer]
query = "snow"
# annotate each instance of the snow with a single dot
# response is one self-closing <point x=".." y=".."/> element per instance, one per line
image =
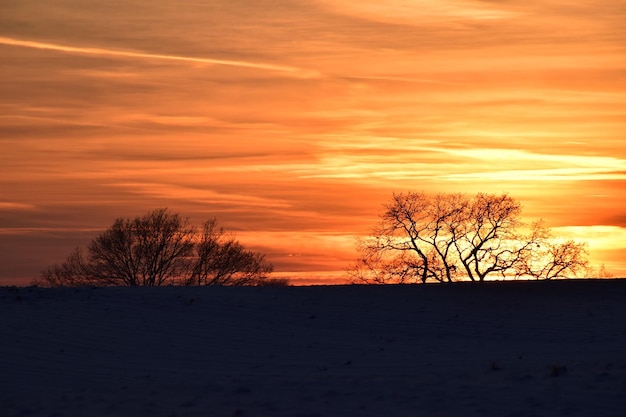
<point x="497" y="349"/>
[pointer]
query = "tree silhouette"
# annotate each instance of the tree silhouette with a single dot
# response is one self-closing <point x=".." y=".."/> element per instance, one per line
<point x="146" y="251"/>
<point x="160" y="248"/>
<point x="221" y="260"/>
<point x="450" y="237"/>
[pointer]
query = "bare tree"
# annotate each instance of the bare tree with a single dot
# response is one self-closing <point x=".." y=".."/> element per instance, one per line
<point x="415" y="240"/>
<point x="383" y="263"/>
<point x="147" y="251"/>
<point x="71" y="273"/>
<point x="599" y="272"/>
<point x="221" y="260"/>
<point x="548" y="258"/>
<point x="489" y="243"/>
<point x="160" y="248"/>
<point x="450" y="237"/>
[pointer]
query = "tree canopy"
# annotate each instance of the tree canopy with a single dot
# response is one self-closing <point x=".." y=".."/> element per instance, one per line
<point x="161" y="248"/>
<point x="452" y="237"/>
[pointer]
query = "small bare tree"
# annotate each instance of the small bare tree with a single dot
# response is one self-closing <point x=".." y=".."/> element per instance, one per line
<point x="549" y="258"/>
<point x="449" y="237"/>
<point x="221" y="260"/>
<point x="71" y="273"/>
<point x="160" y="248"/>
<point x="599" y="272"/>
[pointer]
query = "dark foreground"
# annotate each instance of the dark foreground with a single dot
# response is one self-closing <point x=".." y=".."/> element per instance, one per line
<point x="501" y="349"/>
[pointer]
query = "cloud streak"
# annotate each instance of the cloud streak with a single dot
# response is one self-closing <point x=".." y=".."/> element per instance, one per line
<point x="11" y="205"/>
<point x="409" y="12"/>
<point x="293" y="71"/>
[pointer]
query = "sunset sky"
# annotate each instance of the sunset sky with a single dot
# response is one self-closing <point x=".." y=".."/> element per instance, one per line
<point x="293" y="121"/>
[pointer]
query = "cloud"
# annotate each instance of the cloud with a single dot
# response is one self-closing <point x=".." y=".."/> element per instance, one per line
<point x="602" y="236"/>
<point x="538" y="167"/>
<point x="412" y="11"/>
<point x="392" y="159"/>
<point x="12" y="205"/>
<point x="199" y="195"/>
<point x="293" y="71"/>
<point x="37" y="231"/>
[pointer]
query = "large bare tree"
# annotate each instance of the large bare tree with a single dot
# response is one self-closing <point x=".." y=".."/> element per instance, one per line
<point x="146" y="251"/>
<point x="160" y="248"/>
<point x="450" y="237"/>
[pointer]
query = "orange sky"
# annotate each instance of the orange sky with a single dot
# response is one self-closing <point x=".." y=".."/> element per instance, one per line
<point x="293" y="121"/>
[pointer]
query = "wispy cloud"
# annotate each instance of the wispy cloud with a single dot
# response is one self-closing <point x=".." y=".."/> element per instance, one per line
<point x="532" y="166"/>
<point x="12" y="205"/>
<point x="403" y="161"/>
<point x="49" y="230"/>
<point x="605" y="237"/>
<point x="297" y="72"/>
<point x="407" y="12"/>
<point x="178" y="193"/>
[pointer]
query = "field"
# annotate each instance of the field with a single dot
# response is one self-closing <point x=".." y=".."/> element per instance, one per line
<point x="553" y="348"/>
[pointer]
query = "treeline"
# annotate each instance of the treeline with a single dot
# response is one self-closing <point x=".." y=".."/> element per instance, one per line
<point x="420" y="238"/>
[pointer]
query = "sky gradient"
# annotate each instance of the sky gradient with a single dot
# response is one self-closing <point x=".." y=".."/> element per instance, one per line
<point x="292" y="121"/>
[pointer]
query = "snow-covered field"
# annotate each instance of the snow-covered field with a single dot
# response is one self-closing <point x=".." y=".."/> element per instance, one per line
<point x="515" y="349"/>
